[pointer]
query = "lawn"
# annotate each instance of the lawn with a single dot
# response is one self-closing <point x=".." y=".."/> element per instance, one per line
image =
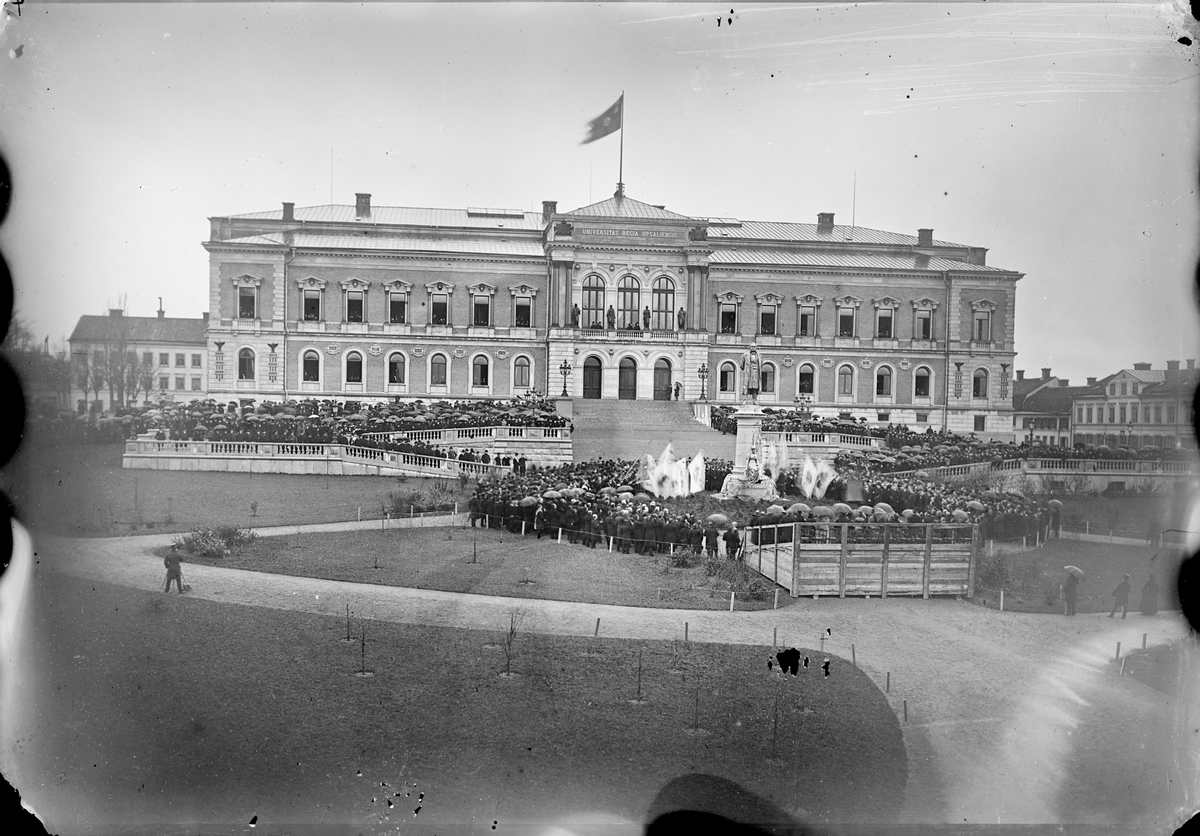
<point x="157" y="711"/>
<point x="1125" y="516"/>
<point x="490" y="562"/>
<point x="1035" y="575"/>
<point x="83" y="490"/>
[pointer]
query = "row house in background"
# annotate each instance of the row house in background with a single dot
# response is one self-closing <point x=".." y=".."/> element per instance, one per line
<point x="619" y="299"/>
<point x="1042" y="408"/>
<point x="1138" y="407"/>
<point x="120" y="360"/>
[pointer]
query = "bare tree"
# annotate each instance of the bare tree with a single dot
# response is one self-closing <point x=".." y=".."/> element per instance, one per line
<point x="19" y="339"/>
<point x="90" y="372"/>
<point x="508" y="641"/>
<point x="139" y="377"/>
<point x="116" y="351"/>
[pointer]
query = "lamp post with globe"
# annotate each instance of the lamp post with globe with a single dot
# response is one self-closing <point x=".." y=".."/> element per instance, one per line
<point x="702" y="373"/>
<point x="565" y="371"/>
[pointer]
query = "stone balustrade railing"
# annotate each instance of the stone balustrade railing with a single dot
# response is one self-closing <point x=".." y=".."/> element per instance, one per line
<point x="458" y="435"/>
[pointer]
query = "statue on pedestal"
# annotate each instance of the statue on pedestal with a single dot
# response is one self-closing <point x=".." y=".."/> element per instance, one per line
<point x="752" y="371"/>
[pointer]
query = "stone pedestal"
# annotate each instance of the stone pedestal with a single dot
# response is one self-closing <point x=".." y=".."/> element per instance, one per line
<point x="740" y="482"/>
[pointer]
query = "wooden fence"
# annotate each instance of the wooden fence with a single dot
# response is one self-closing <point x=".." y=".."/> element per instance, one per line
<point x="854" y="559"/>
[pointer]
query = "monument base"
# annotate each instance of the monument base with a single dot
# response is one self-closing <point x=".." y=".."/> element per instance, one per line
<point x="740" y="488"/>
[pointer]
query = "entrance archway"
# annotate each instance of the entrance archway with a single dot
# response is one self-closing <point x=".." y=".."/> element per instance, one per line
<point x="593" y="378"/>
<point x="627" y="380"/>
<point x="662" y="379"/>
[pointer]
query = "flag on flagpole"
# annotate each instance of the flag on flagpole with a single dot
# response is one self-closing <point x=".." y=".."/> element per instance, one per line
<point x="606" y="123"/>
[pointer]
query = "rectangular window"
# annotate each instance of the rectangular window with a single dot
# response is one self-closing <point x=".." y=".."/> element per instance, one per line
<point x="523" y="313"/>
<point x="924" y="326"/>
<point x="1145" y="415"/>
<point x="845" y="381"/>
<point x="1123" y="385"/>
<point x="922" y="417"/>
<point x="179" y="383"/>
<point x="808" y="321"/>
<point x="180" y="361"/>
<point x="196" y="361"/>
<point x="354" y="306"/>
<point x="1089" y="415"/>
<point x="845" y="322"/>
<point x="147" y="358"/>
<point x="312" y="306"/>
<point x="1158" y="413"/>
<point x="883" y="416"/>
<point x="246" y="303"/>
<point x="766" y="319"/>
<point x="980" y="423"/>
<point x="1079" y="414"/>
<point x="1028" y="425"/>
<point x="439" y="309"/>
<point x="728" y="318"/>
<point x="521" y="374"/>
<point x="983" y="326"/>
<point x="195" y="384"/>
<point x="164" y="359"/>
<point x="1112" y="414"/>
<point x="1170" y="413"/>
<point x="1064" y="423"/>
<point x="766" y="379"/>
<point x="397" y="309"/>
<point x="163" y="382"/>
<point x="1133" y="388"/>
<point x="481" y="307"/>
<point x="883" y="324"/>
<point x="1122" y="413"/>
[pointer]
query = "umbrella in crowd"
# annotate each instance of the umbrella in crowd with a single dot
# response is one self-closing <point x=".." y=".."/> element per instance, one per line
<point x="1074" y="570"/>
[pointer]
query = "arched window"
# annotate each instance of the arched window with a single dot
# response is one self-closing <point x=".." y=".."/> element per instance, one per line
<point x="354" y="367"/>
<point x="629" y="301"/>
<point x="883" y="381"/>
<point x="437" y="370"/>
<point x="592" y="315"/>
<point x="806" y="381"/>
<point x="396" y="368"/>
<point x="846" y="381"/>
<point x="245" y="364"/>
<point x="312" y="367"/>
<point x="766" y="379"/>
<point x="727" y="381"/>
<point x="479" y="371"/>
<point x="921" y="383"/>
<point x="521" y="373"/>
<point x="979" y="384"/>
<point x="664" y="304"/>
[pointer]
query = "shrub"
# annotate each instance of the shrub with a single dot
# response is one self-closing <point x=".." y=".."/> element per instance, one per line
<point x="215" y="542"/>
<point x="994" y="571"/>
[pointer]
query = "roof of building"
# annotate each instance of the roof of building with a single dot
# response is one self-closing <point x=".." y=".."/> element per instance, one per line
<point x="784" y="231"/>
<point x="627" y="207"/>
<point x="1184" y="384"/>
<point x="1022" y="387"/>
<point x="142" y="329"/>
<point x="409" y="216"/>
<point x="1052" y="399"/>
<point x="1144" y="375"/>
<point x="397" y="243"/>
<point x="843" y="258"/>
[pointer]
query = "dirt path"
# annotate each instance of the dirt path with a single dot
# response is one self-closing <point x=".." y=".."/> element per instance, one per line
<point x="992" y="698"/>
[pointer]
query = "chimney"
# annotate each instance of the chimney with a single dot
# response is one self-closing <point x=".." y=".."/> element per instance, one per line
<point x="1020" y="374"/>
<point x="1045" y="374"/>
<point x="824" y="222"/>
<point x="1091" y="381"/>
<point x="1191" y="364"/>
<point x="924" y="237"/>
<point x="204" y="316"/>
<point x="161" y="312"/>
<point x="549" y="207"/>
<point x="362" y="206"/>
<point x="1141" y="367"/>
<point x="1062" y="381"/>
<point x="289" y="211"/>
<point x="116" y="312"/>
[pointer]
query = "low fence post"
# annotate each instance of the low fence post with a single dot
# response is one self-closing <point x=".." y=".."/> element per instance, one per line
<point x="928" y="560"/>
<point x="842" y="562"/>
<point x="883" y="567"/>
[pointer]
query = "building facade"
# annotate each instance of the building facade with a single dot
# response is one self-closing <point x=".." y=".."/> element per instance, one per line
<point x="628" y="299"/>
<point x="1139" y="407"/>
<point x="120" y="360"/>
<point x="1042" y="408"/>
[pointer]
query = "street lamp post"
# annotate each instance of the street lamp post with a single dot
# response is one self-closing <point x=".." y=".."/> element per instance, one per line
<point x="565" y="371"/>
<point x="702" y="373"/>
<point x="803" y="401"/>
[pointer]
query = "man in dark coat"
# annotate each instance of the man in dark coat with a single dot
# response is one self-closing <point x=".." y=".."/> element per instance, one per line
<point x="732" y="542"/>
<point x="624" y="533"/>
<point x="639" y="535"/>
<point x="174" y="573"/>
<point x="710" y="540"/>
<point x="1071" y="592"/>
<point x="1121" y="598"/>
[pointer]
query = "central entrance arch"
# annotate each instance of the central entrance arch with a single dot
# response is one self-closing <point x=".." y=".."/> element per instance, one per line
<point x="593" y="378"/>
<point x="627" y="380"/>
<point x="662" y="379"/>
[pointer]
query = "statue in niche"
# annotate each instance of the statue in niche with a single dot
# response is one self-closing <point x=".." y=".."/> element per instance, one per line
<point x="574" y="316"/>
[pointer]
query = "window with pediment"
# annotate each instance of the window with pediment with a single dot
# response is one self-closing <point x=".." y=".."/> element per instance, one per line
<point x="847" y="315"/>
<point x="522" y="296"/>
<point x="923" y="318"/>
<point x="807" y="307"/>
<point x="247" y="296"/>
<point x="727" y="312"/>
<point x="482" y="295"/>
<point x="439" y="302"/>
<point x="397" y="301"/>
<point x="885" y="318"/>
<point x="982" y="313"/>
<point x="312" y="297"/>
<point x="768" y="313"/>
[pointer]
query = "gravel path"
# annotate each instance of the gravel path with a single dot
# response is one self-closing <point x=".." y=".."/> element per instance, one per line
<point x="991" y="697"/>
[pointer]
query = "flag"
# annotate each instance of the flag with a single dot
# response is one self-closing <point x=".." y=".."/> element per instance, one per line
<point x="696" y="473"/>
<point x="606" y="123"/>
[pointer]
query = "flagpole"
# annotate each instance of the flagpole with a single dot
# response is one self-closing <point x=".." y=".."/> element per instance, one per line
<point x="621" y="163"/>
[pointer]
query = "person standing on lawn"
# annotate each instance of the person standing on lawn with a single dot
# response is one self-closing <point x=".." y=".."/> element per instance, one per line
<point x="732" y="541"/>
<point x="1071" y="592"/>
<point x="710" y="540"/>
<point x="1149" y="603"/>
<point x="1121" y="598"/>
<point x="174" y="572"/>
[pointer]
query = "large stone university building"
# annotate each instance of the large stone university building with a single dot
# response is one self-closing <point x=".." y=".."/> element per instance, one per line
<point x="368" y="302"/>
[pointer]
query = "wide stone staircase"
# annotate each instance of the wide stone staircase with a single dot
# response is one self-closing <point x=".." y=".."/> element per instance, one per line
<point x="630" y="429"/>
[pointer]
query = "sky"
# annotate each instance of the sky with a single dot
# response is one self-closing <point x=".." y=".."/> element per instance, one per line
<point x="1063" y="138"/>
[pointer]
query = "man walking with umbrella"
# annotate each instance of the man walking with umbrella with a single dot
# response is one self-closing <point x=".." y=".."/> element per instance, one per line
<point x="1071" y="587"/>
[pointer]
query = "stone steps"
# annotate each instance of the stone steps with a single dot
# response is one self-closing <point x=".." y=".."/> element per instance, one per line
<point x="631" y="429"/>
